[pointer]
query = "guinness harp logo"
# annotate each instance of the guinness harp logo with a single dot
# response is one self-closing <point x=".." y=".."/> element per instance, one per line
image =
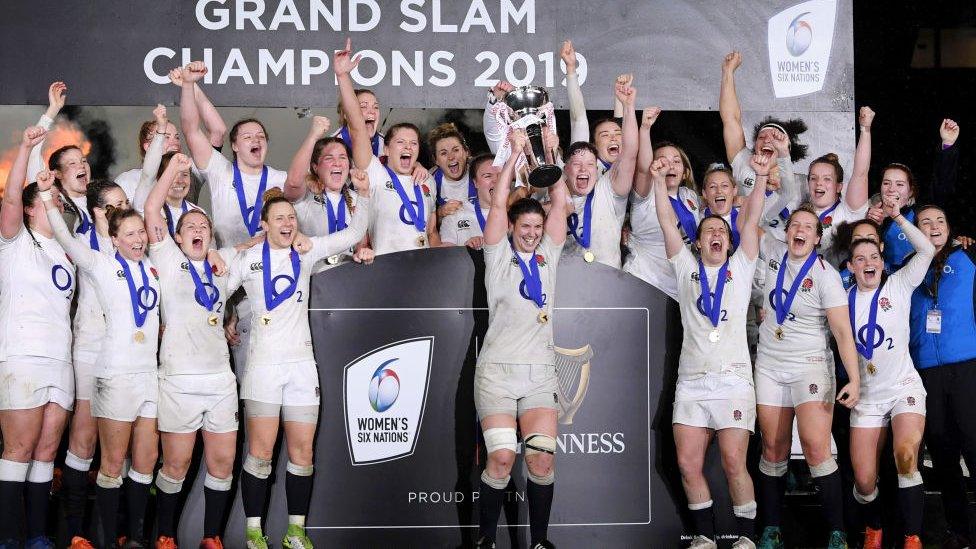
<point x="573" y="379"/>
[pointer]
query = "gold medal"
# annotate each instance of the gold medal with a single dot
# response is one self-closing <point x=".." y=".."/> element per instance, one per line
<point x="714" y="336"/>
<point x="421" y="241"/>
<point x="139" y="336"/>
<point x="779" y="333"/>
<point x="332" y="260"/>
<point x="543" y="317"/>
<point x="212" y="320"/>
<point x="266" y="319"/>
<point x="589" y="257"/>
<point x="871" y="368"/>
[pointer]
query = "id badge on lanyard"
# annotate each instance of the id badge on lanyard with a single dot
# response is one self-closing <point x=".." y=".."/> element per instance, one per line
<point x="933" y="322"/>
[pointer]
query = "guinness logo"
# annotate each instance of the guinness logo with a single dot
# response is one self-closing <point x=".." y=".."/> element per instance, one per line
<point x="573" y="379"/>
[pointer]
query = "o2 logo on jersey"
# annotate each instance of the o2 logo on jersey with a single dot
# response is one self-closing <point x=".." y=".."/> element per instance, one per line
<point x="207" y="290"/>
<point x="879" y="338"/>
<point x="404" y="216"/>
<point x="525" y="293"/>
<point x="723" y="314"/>
<point x="148" y="297"/>
<point x="384" y="387"/>
<point x="62" y="279"/>
<point x="772" y="304"/>
<point x="384" y="409"/>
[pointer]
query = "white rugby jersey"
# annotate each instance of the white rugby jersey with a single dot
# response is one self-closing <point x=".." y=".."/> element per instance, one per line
<point x="88" y="325"/>
<point x="840" y="214"/>
<point x="773" y="220"/>
<point x="313" y="219"/>
<point x="700" y="355"/>
<point x="228" y="223"/>
<point x="390" y="227"/>
<point x="515" y="335"/>
<point x="462" y="225"/>
<point x="193" y="341"/>
<point x="608" y="212"/>
<point x="282" y="335"/>
<point x="37" y="282"/>
<point x="892" y="362"/>
<point x="648" y="260"/>
<point x="805" y="331"/>
<point x="121" y="351"/>
<point x="451" y="189"/>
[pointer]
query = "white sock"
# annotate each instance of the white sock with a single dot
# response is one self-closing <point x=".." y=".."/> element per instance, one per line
<point x="254" y="523"/>
<point x="298" y="520"/>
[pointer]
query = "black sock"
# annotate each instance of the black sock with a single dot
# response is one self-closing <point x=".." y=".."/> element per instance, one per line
<point x="166" y="513"/>
<point x="108" y="509"/>
<point x="136" y="495"/>
<point x="74" y="497"/>
<point x="490" y="501"/>
<point x="254" y="492"/>
<point x="703" y="521"/>
<point x="216" y="508"/>
<point x="831" y="500"/>
<point x="771" y="490"/>
<point x="36" y="498"/>
<point x="298" y="492"/>
<point x="870" y="512"/>
<point x="540" y="504"/>
<point x="12" y="503"/>
<point x="746" y="526"/>
<point x="911" y="501"/>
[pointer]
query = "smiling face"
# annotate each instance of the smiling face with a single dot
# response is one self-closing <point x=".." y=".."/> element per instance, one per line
<point x="823" y="184"/>
<point x="527" y="231"/>
<point x="131" y="238"/>
<point x="251" y="144"/>
<point x="801" y="234"/>
<point x="180" y="187"/>
<point x="934" y="225"/>
<point x="485" y="175"/>
<point x="764" y="142"/>
<point x="451" y="157"/>
<point x="332" y="166"/>
<point x="719" y="192"/>
<point x="402" y="150"/>
<point x="894" y="182"/>
<point x="867" y="264"/>
<point x="370" y="107"/>
<point x="607" y="137"/>
<point x="171" y="142"/>
<point x="281" y="224"/>
<point x="714" y="241"/>
<point x="73" y="171"/>
<point x="676" y="166"/>
<point x="580" y="171"/>
<point x="193" y="235"/>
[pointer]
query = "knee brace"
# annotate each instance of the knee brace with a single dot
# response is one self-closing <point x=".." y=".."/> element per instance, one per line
<point x="773" y="468"/>
<point x="13" y="471"/>
<point x="300" y="414"/>
<point x="77" y="463"/>
<point x="823" y="468"/>
<point x="260" y="468"/>
<point x="218" y="484"/>
<point x="539" y="443"/>
<point x="168" y="485"/>
<point x="300" y="470"/>
<point x="254" y="408"/>
<point x="864" y="500"/>
<point x="141" y="478"/>
<point x="40" y="471"/>
<point x="105" y="481"/>
<point x="500" y="438"/>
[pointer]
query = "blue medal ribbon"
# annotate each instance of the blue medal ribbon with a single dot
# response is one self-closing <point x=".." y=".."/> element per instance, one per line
<point x="532" y="278"/>
<point x="783" y="306"/>
<point x="867" y="351"/>
<point x="373" y="141"/>
<point x="784" y="214"/>
<point x="139" y="311"/>
<point x="416" y="214"/>
<point x="438" y="183"/>
<point x="337" y="222"/>
<point x="169" y="217"/>
<point x="606" y="165"/>
<point x="87" y="226"/>
<point x="685" y="217"/>
<point x="473" y="197"/>
<point x="583" y="236"/>
<point x="271" y="297"/>
<point x="712" y="306"/>
<point x="252" y="220"/>
<point x="829" y="211"/>
<point x="203" y="296"/>
<point x="734" y="214"/>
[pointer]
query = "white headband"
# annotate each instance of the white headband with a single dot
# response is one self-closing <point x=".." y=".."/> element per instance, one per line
<point x="774" y="125"/>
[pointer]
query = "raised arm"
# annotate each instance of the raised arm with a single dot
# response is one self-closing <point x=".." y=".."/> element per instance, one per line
<point x="729" y="109"/>
<point x="645" y="152"/>
<point x="57" y="94"/>
<point x="295" y="185"/>
<point x="665" y="211"/>
<point x="789" y="189"/>
<point x="155" y="222"/>
<point x="915" y="268"/>
<point x="856" y="194"/>
<point x="946" y="170"/>
<point x="331" y="244"/>
<point x="362" y="149"/>
<point x="496" y="225"/>
<point x="752" y="210"/>
<point x="495" y="133"/>
<point x="557" y="220"/>
<point x="579" y="126"/>
<point x="196" y="140"/>
<point x="623" y="169"/>
<point x="12" y="210"/>
<point x="153" y="158"/>
<point x="81" y="255"/>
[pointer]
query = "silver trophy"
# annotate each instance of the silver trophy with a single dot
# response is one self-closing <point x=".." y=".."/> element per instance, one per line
<point x="525" y="103"/>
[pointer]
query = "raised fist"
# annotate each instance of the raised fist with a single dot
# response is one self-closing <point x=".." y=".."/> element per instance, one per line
<point x="568" y="54"/>
<point x="320" y="126"/>
<point x="33" y="135"/>
<point x="732" y="62"/>
<point x="865" y="117"/>
<point x="649" y="116"/>
<point x="193" y="72"/>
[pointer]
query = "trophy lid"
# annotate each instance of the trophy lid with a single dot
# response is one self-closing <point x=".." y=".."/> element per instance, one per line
<point x="526" y="97"/>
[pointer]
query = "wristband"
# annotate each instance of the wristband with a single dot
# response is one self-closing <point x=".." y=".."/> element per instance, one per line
<point x="46" y="195"/>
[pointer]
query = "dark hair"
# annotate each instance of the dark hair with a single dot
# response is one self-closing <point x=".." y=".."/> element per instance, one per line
<point x="831" y="160"/>
<point x="54" y="163"/>
<point x="525" y="206"/>
<point x="322" y="143"/>
<point x="116" y="216"/>
<point x="95" y="195"/>
<point x="271" y="197"/>
<point x="577" y="147"/>
<point x="844" y="237"/>
<point x="728" y="228"/>
<point x="860" y="241"/>
<point x="808" y="208"/>
<point x="689" y="178"/>
<point x="163" y="162"/>
<point x="145" y="135"/>
<point x="390" y="133"/>
<point x="237" y="127"/>
<point x="446" y="131"/>
<point x="794" y="127"/>
<point x="477" y="161"/>
<point x="179" y="224"/>
<point x="604" y="121"/>
<point x="910" y="176"/>
<point x="941" y="256"/>
<point x="358" y="92"/>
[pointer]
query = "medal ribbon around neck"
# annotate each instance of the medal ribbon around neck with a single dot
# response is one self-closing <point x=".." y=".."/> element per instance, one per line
<point x="531" y="277"/>
<point x="712" y="306"/>
<point x="272" y="298"/>
<point x="829" y="211"/>
<point x="204" y="297"/>
<point x="583" y="236"/>
<point x="734" y="215"/>
<point x="252" y="221"/>
<point x="139" y="311"/>
<point x="169" y="217"/>
<point x="783" y="306"/>
<point x="373" y="141"/>
<point x="685" y="217"/>
<point x="337" y="222"/>
<point x="473" y="197"/>
<point x="87" y="226"/>
<point x="867" y="351"/>
<point x="416" y="214"/>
